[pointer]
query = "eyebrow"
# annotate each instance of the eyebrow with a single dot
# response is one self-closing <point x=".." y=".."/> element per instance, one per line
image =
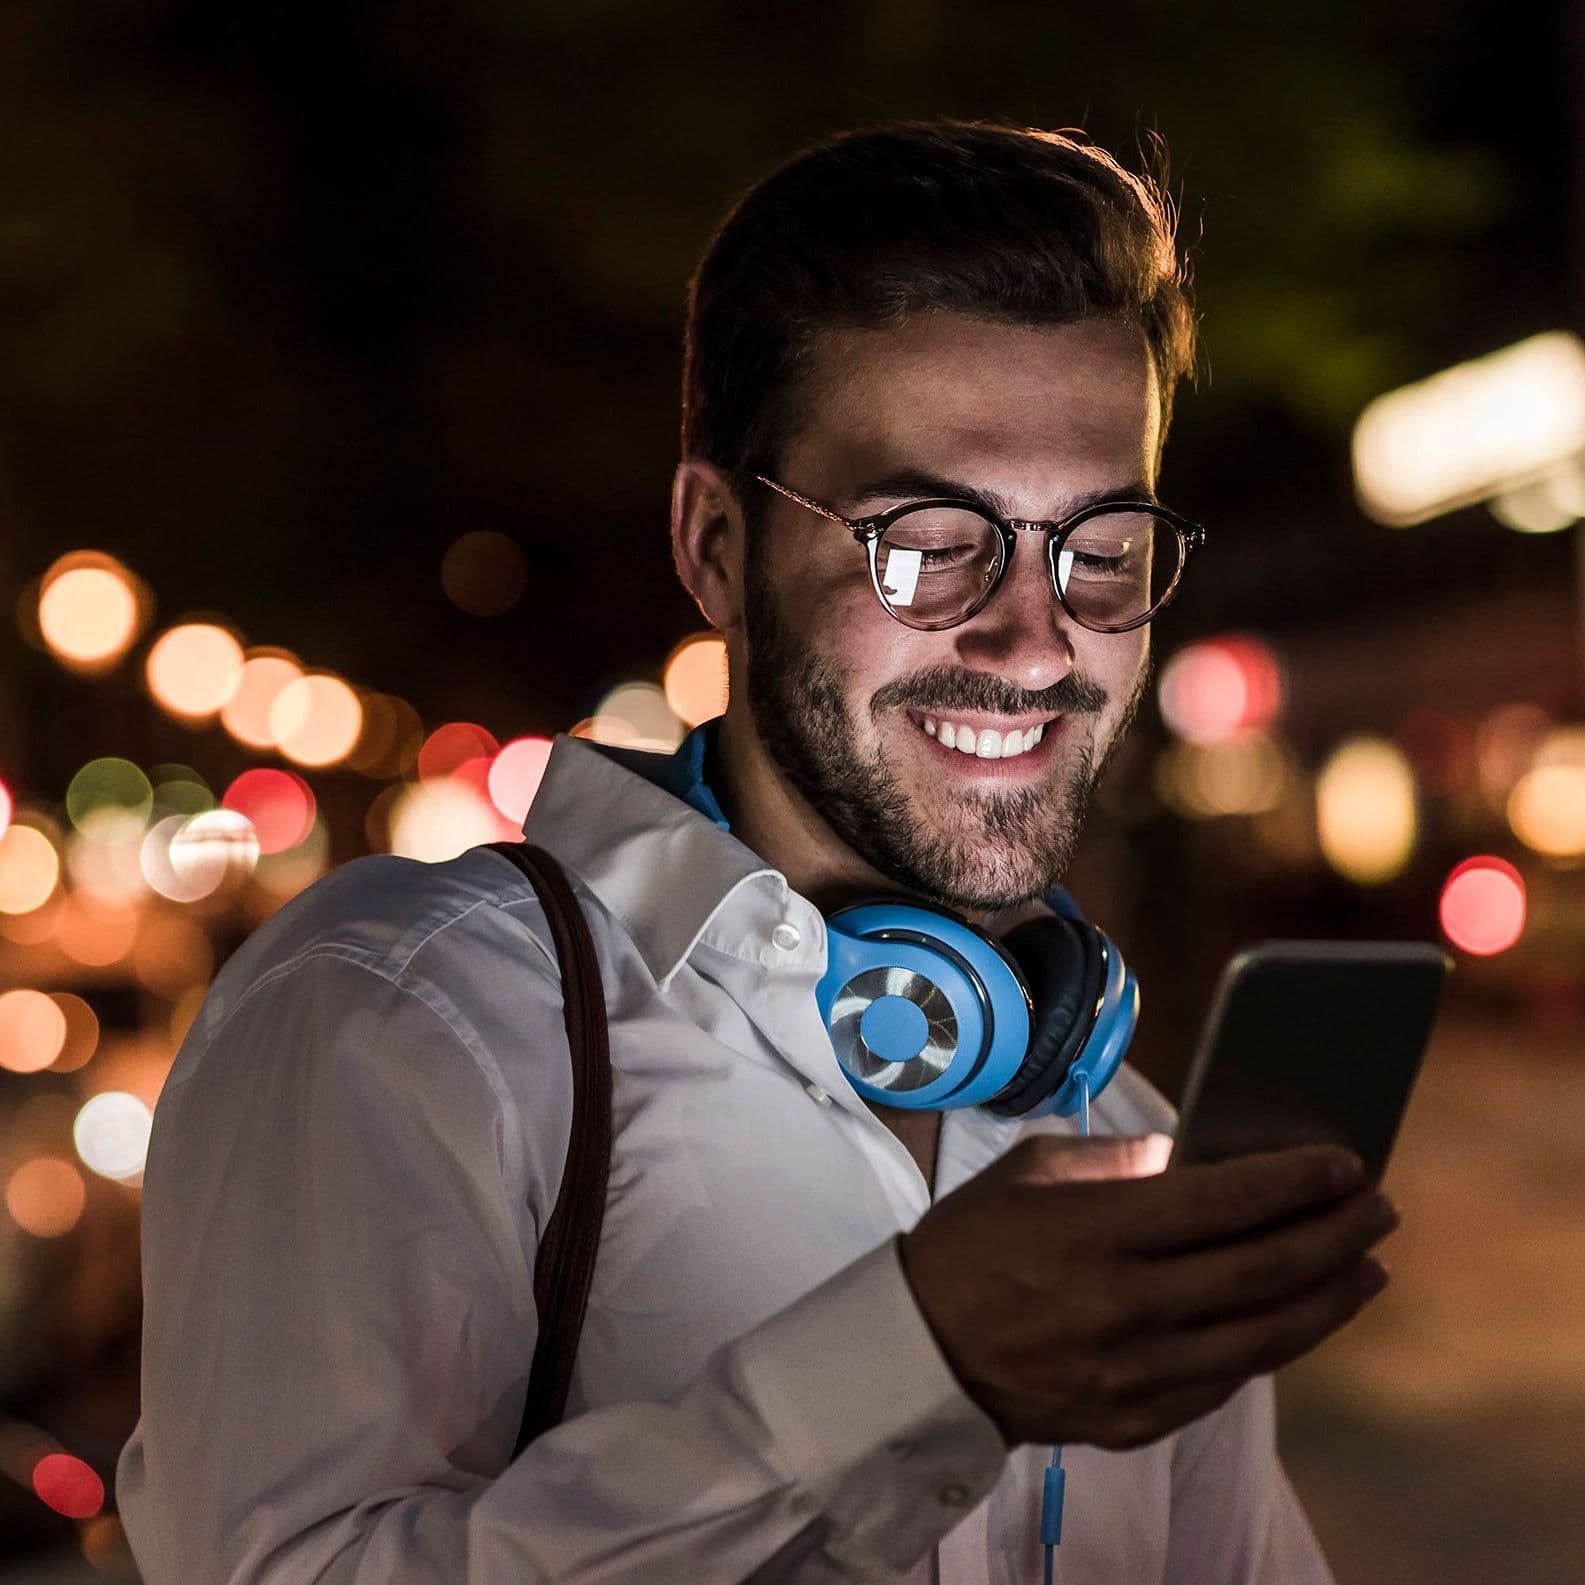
<point x="917" y="484"/>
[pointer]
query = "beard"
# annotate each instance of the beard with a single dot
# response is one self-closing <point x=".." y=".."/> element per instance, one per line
<point x="1001" y="847"/>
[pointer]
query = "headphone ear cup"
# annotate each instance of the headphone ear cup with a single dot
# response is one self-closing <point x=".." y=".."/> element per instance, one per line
<point x="1062" y="965"/>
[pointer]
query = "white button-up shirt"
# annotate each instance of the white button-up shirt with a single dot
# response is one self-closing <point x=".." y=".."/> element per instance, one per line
<point x="359" y="1142"/>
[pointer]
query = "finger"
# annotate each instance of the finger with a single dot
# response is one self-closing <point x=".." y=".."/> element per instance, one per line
<point x="1254" y="1273"/>
<point x="1060" y="1158"/>
<point x="1217" y="1201"/>
<point x="1240" y="1346"/>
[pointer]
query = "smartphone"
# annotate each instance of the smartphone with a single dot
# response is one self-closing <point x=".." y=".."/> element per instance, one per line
<point x="1311" y="1041"/>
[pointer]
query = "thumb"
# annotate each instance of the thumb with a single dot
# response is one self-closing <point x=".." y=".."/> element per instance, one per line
<point x="1057" y="1158"/>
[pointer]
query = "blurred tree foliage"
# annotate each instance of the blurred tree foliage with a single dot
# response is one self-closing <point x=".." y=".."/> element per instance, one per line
<point x="293" y="296"/>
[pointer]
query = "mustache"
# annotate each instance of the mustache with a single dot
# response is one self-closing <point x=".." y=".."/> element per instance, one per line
<point x="942" y="689"/>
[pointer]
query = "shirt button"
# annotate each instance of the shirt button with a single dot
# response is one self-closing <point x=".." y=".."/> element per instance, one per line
<point x="785" y="937"/>
<point x="953" y="1496"/>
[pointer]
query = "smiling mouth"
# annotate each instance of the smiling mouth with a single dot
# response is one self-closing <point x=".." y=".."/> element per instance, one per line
<point x="982" y="742"/>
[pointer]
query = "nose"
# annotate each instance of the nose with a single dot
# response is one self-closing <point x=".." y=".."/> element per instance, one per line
<point x="1021" y="633"/>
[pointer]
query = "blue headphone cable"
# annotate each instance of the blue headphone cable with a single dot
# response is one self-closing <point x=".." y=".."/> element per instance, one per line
<point x="1056" y="1475"/>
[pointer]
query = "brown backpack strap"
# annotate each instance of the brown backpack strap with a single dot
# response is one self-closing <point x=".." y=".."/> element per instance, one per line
<point x="564" y="1265"/>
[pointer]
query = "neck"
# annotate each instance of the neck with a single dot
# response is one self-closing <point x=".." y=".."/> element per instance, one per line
<point x="771" y="817"/>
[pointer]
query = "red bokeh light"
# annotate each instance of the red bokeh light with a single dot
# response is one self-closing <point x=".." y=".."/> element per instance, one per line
<point x="1483" y="906"/>
<point x="279" y="803"/>
<point x="453" y="745"/>
<point x="5" y="808"/>
<point x="68" y="1485"/>
<point x="1211" y="690"/>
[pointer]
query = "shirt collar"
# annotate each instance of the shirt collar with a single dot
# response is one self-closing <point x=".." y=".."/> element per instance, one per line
<point x="645" y="834"/>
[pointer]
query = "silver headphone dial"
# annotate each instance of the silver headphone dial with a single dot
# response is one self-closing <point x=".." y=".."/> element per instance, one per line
<point x="941" y="1038"/>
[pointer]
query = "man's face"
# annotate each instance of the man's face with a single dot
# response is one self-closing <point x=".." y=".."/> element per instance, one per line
<point x="1041" y="420"/>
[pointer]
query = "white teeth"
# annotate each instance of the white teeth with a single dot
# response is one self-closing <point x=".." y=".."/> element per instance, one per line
<point x="985" y="744"/>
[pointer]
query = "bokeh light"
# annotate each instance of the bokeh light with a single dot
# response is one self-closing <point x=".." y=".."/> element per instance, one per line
<point x="68" y="1485"/>
<point x="390" y="740"/>
<point x="265" y="673"/>
<point x="1482" y="909"/>
<point x="1365" y="808"/>
<point x="452" y="745"/>
<point x="46" y="1196"/>
<point x="111" y="1133"/>
<point x="1211" y="690"/>
<point x="1546" y="810"/>
<point x="515" y="774"/>
<point x="32" y="1030"/>
<point x="483" y="572"/>
<point x="437" y="819"/>
<point x="193" y="670"/>
<point x="89" y="610"/>
<point x="102" y="855"/>
<point x="108" y="783"/>
<point x="695" y="678"/>
<point x="211" y="848"/>
<point x="1246" y="774"/>
<point x="82" y="1032"/>
<point x="179" y="789"/>
<point x="636" y="715"/>
<point x="316" y="719"/>
<point x="1506" y="743"/>
<point x="5" y="808"/>
<point x="278" y="804"/>
<point x="29" y="869"/>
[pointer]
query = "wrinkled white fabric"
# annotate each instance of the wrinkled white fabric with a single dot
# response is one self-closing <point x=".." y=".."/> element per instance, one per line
<point x="361" y="1137"/>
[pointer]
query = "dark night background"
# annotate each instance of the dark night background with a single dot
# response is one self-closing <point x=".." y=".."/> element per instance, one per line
<point x="292" y="297"/>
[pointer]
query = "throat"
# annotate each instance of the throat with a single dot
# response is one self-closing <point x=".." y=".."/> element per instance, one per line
<point x="919" y="1133"/>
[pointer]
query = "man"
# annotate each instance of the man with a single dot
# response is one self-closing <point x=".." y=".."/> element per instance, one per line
<point x="826" y="1339"/>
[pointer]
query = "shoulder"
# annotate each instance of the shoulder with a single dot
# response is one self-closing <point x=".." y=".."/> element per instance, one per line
<point x="458" y="937"/>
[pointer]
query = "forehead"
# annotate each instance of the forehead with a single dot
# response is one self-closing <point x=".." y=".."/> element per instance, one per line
<point x="1029" y="409"/>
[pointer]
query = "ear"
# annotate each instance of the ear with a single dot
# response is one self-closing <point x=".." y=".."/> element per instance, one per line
<point x="707" y="541"/>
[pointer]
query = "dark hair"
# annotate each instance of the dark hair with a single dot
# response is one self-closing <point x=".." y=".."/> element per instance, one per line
<point x="868" y="227"/>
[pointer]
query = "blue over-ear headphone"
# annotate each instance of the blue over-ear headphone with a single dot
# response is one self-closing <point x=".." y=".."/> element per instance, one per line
<point x="928" y="1012"/>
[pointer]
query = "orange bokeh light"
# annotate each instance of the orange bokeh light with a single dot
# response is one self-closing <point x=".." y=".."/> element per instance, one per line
<point x="193" y="669"/>
<point x="30" y="868"/>
<point x="82" y="1032"/>
<point x="316" y="719"/>
<point x="90" y="609"/>
<point x="695" y="678"/>
<point x="246" y="715"/>
<point x="45" y="1196"/>
<point x="32" y="1031"/>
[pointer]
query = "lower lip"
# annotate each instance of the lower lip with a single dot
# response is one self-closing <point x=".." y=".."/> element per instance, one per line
<point x="1010" y="769"/>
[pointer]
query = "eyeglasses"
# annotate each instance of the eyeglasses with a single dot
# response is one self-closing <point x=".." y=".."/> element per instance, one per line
<point x="935" y="563"/>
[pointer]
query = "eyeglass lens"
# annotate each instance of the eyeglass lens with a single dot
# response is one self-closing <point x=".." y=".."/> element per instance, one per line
<point x="936" y="566"/>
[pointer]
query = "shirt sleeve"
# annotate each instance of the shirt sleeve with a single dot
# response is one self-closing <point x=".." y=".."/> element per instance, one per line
<point x="1235" y="1518"/>
<point x="339" y="1213"/>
